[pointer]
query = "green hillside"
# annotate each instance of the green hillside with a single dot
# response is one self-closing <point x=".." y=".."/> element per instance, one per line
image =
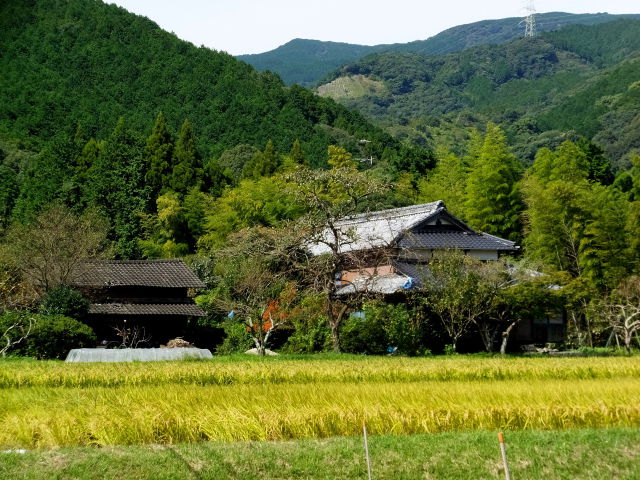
<point x="103" y="111"/>
<point x="579" y="80"/>
<point x="84" y="63"/>
<point x="308" y="61"/>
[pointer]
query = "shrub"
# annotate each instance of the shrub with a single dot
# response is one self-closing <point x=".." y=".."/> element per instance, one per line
<point x="363" y="333"/>
<point x="237" y="339"/>
<point x="381" y="325"/>
<point x="52" y="336"/>
<point x="64" y="300"/>
<point x="311" y="331"/>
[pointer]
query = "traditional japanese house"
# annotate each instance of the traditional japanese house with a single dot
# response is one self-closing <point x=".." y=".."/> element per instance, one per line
<point x="388" y="251"/>
<point x="153" y="295"/>
<point x="393" y="245"/>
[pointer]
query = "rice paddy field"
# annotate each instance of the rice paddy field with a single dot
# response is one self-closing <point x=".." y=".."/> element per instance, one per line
<point x="159" y="407"/>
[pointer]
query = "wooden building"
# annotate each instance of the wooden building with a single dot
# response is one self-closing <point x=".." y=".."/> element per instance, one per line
<point x="149" y="294"/>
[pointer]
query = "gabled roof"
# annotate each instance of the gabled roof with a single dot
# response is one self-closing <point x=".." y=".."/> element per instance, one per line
<point x="404" y="227"/>
<point x="144" y="273"/>
<point x="375" y="229"/>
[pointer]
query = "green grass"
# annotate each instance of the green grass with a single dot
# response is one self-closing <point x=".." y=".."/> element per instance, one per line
<point x="353" y="86"/>
<point x="572" y="454"/>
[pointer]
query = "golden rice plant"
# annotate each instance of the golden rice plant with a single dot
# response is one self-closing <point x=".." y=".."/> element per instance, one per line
<point x="174" y="413"/>
<point x="277" y="371"/>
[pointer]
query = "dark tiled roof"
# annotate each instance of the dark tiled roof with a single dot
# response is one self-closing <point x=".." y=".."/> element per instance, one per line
<point x="414" y="270"/>
<point x="145" y="273"/>
<point x="460" y="240"/>
<point x="183" y="309"/>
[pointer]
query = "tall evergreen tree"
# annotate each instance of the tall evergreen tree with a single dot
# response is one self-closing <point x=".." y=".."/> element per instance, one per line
<point x="493" y="202"/>
<point x="263" y="163"/>
<point x="158" y="153"/>
<point x="116" y="186"/>
<point x="296" y="155"/>
<point x="574" y="224"/>
<point x="43" y="182"/>
<point x="186" y="171"/>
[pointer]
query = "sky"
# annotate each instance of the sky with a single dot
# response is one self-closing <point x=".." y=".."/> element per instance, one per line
<point x="256" y="26"/>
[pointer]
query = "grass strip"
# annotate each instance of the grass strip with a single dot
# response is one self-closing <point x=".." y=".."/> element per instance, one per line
<point x="588" y="454"/>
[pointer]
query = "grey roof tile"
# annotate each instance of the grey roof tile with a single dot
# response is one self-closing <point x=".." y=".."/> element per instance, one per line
<point x="459" y="240"/>
<point x="181" y="309"/>
<point x="146" y="273"/>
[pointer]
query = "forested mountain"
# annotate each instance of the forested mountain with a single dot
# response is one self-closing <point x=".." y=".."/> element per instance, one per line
<point x="84" y="63"/>
<point x="101" y="109"/>
<point x="580" y="80"/>
<point x="307" y="61"/>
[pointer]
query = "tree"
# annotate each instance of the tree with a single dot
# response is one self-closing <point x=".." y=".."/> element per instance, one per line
<point x="8" y="192"/>
<point x="64" y="300"/>
<point x="457" y="293"/>
<point x="296" y="155"/>
<point x="236" y="158"/>
<point x="217" y="177"/>
<point x="267" y="202"/>
<point x="158" y="152"/>
<point x="186" y="171"/>
<point x="48" y="250"/>
<point x="45" y="178"/>
<point x="262" y="164"/>
<point x="526" y="299"/>
<point x="116" y="187"/>
<point x="622" y="310"/>
<point x="16" y="328"/>
<point x="256" y="287"/>
<point x="446" y="182"/>
<point x="339" y="157"/>
<point x="570" y="220"/>
<point x="493" y="201"/>
<point x="328" y="196"/>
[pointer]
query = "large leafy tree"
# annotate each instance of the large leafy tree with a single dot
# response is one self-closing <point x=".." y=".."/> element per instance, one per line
<point x="47" y="250"/>
<point x="327" y="196"/>
<point x="460" y="290"/>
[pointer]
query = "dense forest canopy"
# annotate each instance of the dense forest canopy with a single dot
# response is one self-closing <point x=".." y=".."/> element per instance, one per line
<point x="81" y="63"/>
<point x="139" y="145"/>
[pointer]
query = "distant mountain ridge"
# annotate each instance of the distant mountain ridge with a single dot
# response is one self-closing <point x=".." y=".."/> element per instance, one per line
<point x="582" y="80"/>
<point x="308" y="61"/>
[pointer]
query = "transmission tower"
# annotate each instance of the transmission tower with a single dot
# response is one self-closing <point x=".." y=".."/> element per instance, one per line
<point x="530" y="19"/>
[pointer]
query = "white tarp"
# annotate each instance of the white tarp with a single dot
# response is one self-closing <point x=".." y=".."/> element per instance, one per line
<point x="135" y="354"/>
